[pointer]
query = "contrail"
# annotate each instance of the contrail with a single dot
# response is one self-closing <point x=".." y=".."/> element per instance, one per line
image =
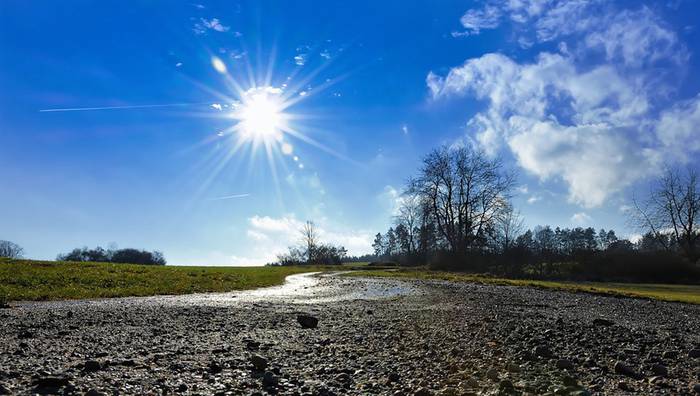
<point x="119" y="107"/>
<point x="230" y="197"/>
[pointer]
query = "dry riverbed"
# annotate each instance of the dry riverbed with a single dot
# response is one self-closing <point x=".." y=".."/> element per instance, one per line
<point x="373" y="336"/>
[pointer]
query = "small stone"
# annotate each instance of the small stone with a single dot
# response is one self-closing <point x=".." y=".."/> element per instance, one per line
<point x="569" y="381"/>
<point x="94" y="392"/>
<point x="694" y="353"/>
<point x="603" y="322"/>
<point x="259" y="362"/>
<point x="51" y="382"/>
<point x="215" y="368"/>
<point x="492" y="374"/>
<point x="472" y="382"/>
<point x="542" y="351"/>
<point x="4" y="390"/>
<point x="564" y="364"/>
<point x="393" y="377"/>
<point x="623" y="369"/>
<point x="182" y="388"/>
<point x="513" y="368"/>
<point x="505" y="384"/>
<point x="269" y="380"/>
<point x="92" y="366"/>
<point x="624" y="386"/>
<point x="660" y="370"/>
<point x="422" y="392"/>
<point x="696" y="388"/>
<point x="670" y="355"/>
<point x="307" y="321"/>
<point x="343" y="378"/>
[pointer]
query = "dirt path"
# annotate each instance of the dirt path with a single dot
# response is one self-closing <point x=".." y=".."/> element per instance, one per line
<point x="374" y="336"/>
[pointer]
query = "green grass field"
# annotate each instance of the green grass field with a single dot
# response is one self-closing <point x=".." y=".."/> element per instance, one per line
<point x="55" y="280"/>
<point x="679" y="293"/>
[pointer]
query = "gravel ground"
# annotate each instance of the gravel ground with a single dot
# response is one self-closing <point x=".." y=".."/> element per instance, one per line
<point x="373" y="336"/>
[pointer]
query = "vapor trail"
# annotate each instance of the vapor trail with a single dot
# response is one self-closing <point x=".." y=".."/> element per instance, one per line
<point x="230" y="197"/>
<point x="119" y="107"/>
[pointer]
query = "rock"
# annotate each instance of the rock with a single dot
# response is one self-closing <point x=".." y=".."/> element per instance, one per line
<point x="542" y="351"/>
<point x="492" y="374"/>
<point x="259" y="362"/>
<point x="269" y="380"/>
<point x="343" y="378"/>
<point x="92" y="366"/>
<point x="624" y="369"/>
<point x="50" y="383"/>
<point x="422" y="392"/>
<point x="603" y="322"/>
<point x="24" y="334"/>
<point x="4" y="390"/>
<point x="251" y="345"/>
<point x="215" y="367"/>
<point x="624" y="386"/>
<point x="182" y="388"/>
<point x="472" y="382"/>
<point x="307" y="321"/>
<point x="670" y="355"/>
<point x="94" y="392"/>
<point x="696" y="388"/>
<point x="505" y="384"/>
<point x="393" y="377"/>
<point x="694" y="353"/>
<point x="569" y="381"/>
<point x="564" y="364"/>
<point x="660" y="370"/>
<point x="513" y="368"/>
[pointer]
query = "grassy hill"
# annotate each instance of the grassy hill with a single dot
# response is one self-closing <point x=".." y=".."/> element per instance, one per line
<point x="58" y="280"/>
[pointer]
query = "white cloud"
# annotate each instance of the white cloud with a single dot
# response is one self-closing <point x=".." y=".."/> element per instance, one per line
<point x="205" y="25"/>
<point x="533" y="199"/>
<point x="596" y="126"/>
<point x="581" y="219"/>
<point x="475" y="20"/>
<point x="270" y="236"/>
<point x="391" y="199"/>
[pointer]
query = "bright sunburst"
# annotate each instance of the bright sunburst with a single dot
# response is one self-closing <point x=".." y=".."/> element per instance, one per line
<point x="260" y="115"/>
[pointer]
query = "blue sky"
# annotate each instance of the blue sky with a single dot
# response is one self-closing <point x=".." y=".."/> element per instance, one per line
<point x="587" y="100"/>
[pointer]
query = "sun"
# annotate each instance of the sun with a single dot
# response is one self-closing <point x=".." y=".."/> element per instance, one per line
<point x="260" y="115"/>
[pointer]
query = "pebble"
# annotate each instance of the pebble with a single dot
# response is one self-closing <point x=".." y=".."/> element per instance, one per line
<point x="660" y="370"/>
<point x="564" y="364"/>
<point x="492" y="374"/>
<point x="259" y="362"/>
<point x="624" y="369"/>
<point x="307" y="321"/>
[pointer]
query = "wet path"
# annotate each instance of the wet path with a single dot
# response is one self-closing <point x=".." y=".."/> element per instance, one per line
<point x="306" y="288"/>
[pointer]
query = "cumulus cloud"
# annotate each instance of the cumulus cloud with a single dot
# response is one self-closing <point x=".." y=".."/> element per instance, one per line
<point x="598" y="126"/>
<point x="270" y="236"/>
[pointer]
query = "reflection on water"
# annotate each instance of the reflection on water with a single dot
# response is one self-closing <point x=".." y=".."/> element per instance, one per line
<point x="307" y="288"/>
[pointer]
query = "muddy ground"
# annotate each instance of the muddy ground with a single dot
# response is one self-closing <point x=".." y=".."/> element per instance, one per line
<point x="373" y="336"/>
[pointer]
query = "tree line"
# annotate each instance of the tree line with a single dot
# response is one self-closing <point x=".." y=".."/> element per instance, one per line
<point x="456" y="213"/>
<point x="111" y="255"/>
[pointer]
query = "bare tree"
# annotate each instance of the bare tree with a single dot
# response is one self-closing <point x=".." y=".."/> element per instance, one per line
<point x="309" y="237"/>
<point x="672" y="208"/>
<point x="508" y="226"/>
<point x="466" y="192"/>
<point x="10" y="250"/>
<point x="408" y="216"/>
